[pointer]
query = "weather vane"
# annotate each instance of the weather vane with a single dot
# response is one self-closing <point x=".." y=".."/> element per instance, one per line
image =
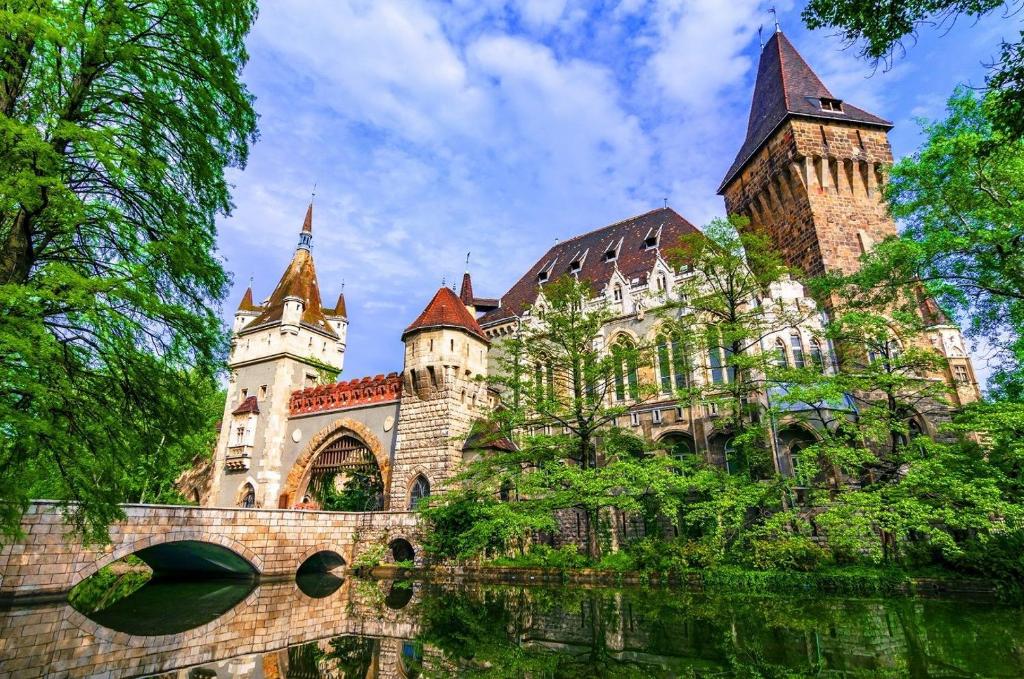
<point x="778" y="29"/>
<point x="467" y="261"/>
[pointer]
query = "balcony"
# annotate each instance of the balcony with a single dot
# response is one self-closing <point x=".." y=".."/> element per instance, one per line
<point x="238" y="458"/>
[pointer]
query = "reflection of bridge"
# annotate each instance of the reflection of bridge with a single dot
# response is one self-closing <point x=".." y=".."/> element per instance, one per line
<point x="56" y="640"/>
<point x="267" y="542"/>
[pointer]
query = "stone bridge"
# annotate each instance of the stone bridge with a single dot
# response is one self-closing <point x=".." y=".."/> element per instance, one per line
<point x="49" y="560"/>
<point x="56" y="640"/>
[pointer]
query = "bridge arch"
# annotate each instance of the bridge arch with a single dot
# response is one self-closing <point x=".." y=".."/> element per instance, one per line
<point x="253" y="560"/>
<point x="299" y="474"/>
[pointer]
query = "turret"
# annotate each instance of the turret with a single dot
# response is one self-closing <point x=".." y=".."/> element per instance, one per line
<point x="442" y="395"/>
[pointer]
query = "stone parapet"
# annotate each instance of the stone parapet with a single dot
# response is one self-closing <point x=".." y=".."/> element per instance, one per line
<point x="341" y="395"/>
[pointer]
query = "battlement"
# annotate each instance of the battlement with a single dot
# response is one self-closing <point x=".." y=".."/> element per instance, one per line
<point x="340" y="395"/>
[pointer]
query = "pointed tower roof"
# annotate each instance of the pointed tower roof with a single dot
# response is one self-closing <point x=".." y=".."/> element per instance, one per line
<point x="247" y="304"/>
<point x="339" y="308"/>
<point x="446" y="310"/>
<point x="299" y="280"/>
<point x="786" y="86"/>
<point x="466" y="291"/>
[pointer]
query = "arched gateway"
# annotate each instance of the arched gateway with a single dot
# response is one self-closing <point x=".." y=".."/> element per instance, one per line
<point x="342" y="467"/>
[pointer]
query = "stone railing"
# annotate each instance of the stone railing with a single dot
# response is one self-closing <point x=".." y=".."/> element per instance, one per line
<point x="340" y="395"/>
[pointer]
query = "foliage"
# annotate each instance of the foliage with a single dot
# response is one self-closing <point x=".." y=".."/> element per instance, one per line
<point x="109" y="584"/>
<point x="363" y="491"/>
<point x="371" y="557"/>
<point x="961" y="200"/>
<point x="883" y="28"/>
<point x="116" y="123"/>
<point x="562" y="397"/>
<point x="543" y="556"/>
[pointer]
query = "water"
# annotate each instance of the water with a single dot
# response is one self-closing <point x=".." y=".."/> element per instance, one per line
<point x="330" y="626"/>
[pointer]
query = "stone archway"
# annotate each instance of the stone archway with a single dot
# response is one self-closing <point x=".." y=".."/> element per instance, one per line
<point x="340" y="427"/>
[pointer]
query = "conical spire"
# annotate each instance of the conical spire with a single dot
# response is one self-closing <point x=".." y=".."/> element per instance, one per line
<point x="446" y="310"/>
<point x="466" y="291"/>
<point x="246" y="304"/>
<point x="298" y="281"/>
<point x="787" y="86"/>
<point x="339" y="308"/>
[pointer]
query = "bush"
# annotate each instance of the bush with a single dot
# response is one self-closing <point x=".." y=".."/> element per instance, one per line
<point x="794" y="552"/>
<point x="999" y="555"/>
<point x="371" y="557"/>
<point x="619" y="562"/>
<point x="543" y="556"/>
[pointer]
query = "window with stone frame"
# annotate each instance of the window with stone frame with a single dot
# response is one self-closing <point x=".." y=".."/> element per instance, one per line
<point x="243" y="429"/>
<point x="797" y="346"/>
<point x="674" y="363"/>
<point x="419" y="492"/>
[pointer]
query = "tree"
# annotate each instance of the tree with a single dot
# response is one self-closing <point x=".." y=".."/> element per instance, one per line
<point x="562" y="396"/>
<point x="961" y="200"/>
<point x="117" y="120"/>
<point x="724" y="314"/>
<point x="884" y="26"/>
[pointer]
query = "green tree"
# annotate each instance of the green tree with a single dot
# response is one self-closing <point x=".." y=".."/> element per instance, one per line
<point x="724" y="314"/>
<point x="563" y="395"/>
<point x="883" y="26"/>
<point x="117" y="120"/>
<point x="961" y="200"/>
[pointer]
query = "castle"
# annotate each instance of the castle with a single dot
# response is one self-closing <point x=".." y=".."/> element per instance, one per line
<point x="809" y="173"/>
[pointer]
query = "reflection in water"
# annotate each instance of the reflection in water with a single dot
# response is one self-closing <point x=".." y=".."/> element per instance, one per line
<point x="381" y="629"/>
<point x="169" y="606"/>
<point x="318" y="585"/>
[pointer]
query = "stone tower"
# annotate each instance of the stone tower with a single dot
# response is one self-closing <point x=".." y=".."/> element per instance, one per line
<point x="810" y="174"/>
<point x="443" y="392"/>
<point x="289" y="342"/>
<point x="811" y="168"/>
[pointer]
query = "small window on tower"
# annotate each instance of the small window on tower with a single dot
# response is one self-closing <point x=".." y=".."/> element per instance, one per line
<point x="263" y="391"/>
<point x="835" y="105"/>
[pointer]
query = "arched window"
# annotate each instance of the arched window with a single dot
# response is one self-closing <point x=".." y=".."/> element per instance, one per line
<point x="674" y="366"/>
<point x="660" y="283"/>
<point x="731" y="458"/>
<point x="419" y="492"/>
<point x="817" y="356"/>
<point x="617" y="296"/>
<point x="718" y="356"/>
<point x="797" y="345"/>
<point x="625" y="370"/>
<point x="779" y="357"/>
<point x="248" y="499"/>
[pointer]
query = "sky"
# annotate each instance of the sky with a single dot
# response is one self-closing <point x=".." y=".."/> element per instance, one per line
<point x="433" y="129"/>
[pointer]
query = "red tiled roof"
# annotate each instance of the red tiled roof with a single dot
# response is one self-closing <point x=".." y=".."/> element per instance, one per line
<point x="247" y="304"/>
<point x="787" y="86"/>
<point x="634" y="258"/>
<point x="446" y="310"/>
<point x="339" y="308"/>
<point x="249" y="405"/>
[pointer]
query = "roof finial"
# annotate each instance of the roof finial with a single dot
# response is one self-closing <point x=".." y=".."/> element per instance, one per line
<point x="666" y="202"/>
<point x="312" y="196"/>
<point x="343" y="286"/>
<point x="444" y="281"/>
<point x="760" y="37"/>
<point x="467" y="261"/>
<point x="778" y="28"/>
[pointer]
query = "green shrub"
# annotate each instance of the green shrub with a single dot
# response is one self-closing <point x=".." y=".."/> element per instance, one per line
<point x="543" y="556"/>
<point x="619" y="562"/>
<point x="793" y="552"/>
<point x="371" y="557"/>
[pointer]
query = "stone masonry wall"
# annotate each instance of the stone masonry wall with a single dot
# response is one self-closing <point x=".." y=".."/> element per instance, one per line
<point x="49" y="560"/>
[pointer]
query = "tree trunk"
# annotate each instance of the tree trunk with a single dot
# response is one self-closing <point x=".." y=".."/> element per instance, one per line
<point x="16" y="258"/>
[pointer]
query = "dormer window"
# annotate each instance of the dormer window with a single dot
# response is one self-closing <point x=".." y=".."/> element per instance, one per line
<point x="834" y="105"/>
<point x="545" y="272"/>
<point x="652" y="238"/>
<point x="542" y="277"/>
<point x="576" y="265"/>
<point x="611" y="252"/>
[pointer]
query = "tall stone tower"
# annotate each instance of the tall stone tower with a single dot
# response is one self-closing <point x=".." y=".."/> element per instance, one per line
<point x="289" y="342"/>
<point x="811" y="168"/>
<point x="442" y="394"/>
<point x="810" y="174"/>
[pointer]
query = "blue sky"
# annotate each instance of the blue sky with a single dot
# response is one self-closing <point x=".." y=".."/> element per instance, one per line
<point x="432" y="129"/>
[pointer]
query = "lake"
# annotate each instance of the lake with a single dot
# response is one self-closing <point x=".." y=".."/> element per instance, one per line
<point x="328" y="626"/>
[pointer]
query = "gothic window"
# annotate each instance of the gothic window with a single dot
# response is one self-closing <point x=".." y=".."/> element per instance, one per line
<point x="617" y="295"/>
<point x="817" y="356"/>
<point x="625" y="370"/>
<point x="673" y="363"/>
<point x="419" y="492"/>
<point x="798" y="349"/>
<point x="718" y="358"/>
<point x="779" y="358"/>
<point x="248" y="499"/>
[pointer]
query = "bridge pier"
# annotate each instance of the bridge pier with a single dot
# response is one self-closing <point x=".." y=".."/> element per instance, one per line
<point x="269" y="543"/>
